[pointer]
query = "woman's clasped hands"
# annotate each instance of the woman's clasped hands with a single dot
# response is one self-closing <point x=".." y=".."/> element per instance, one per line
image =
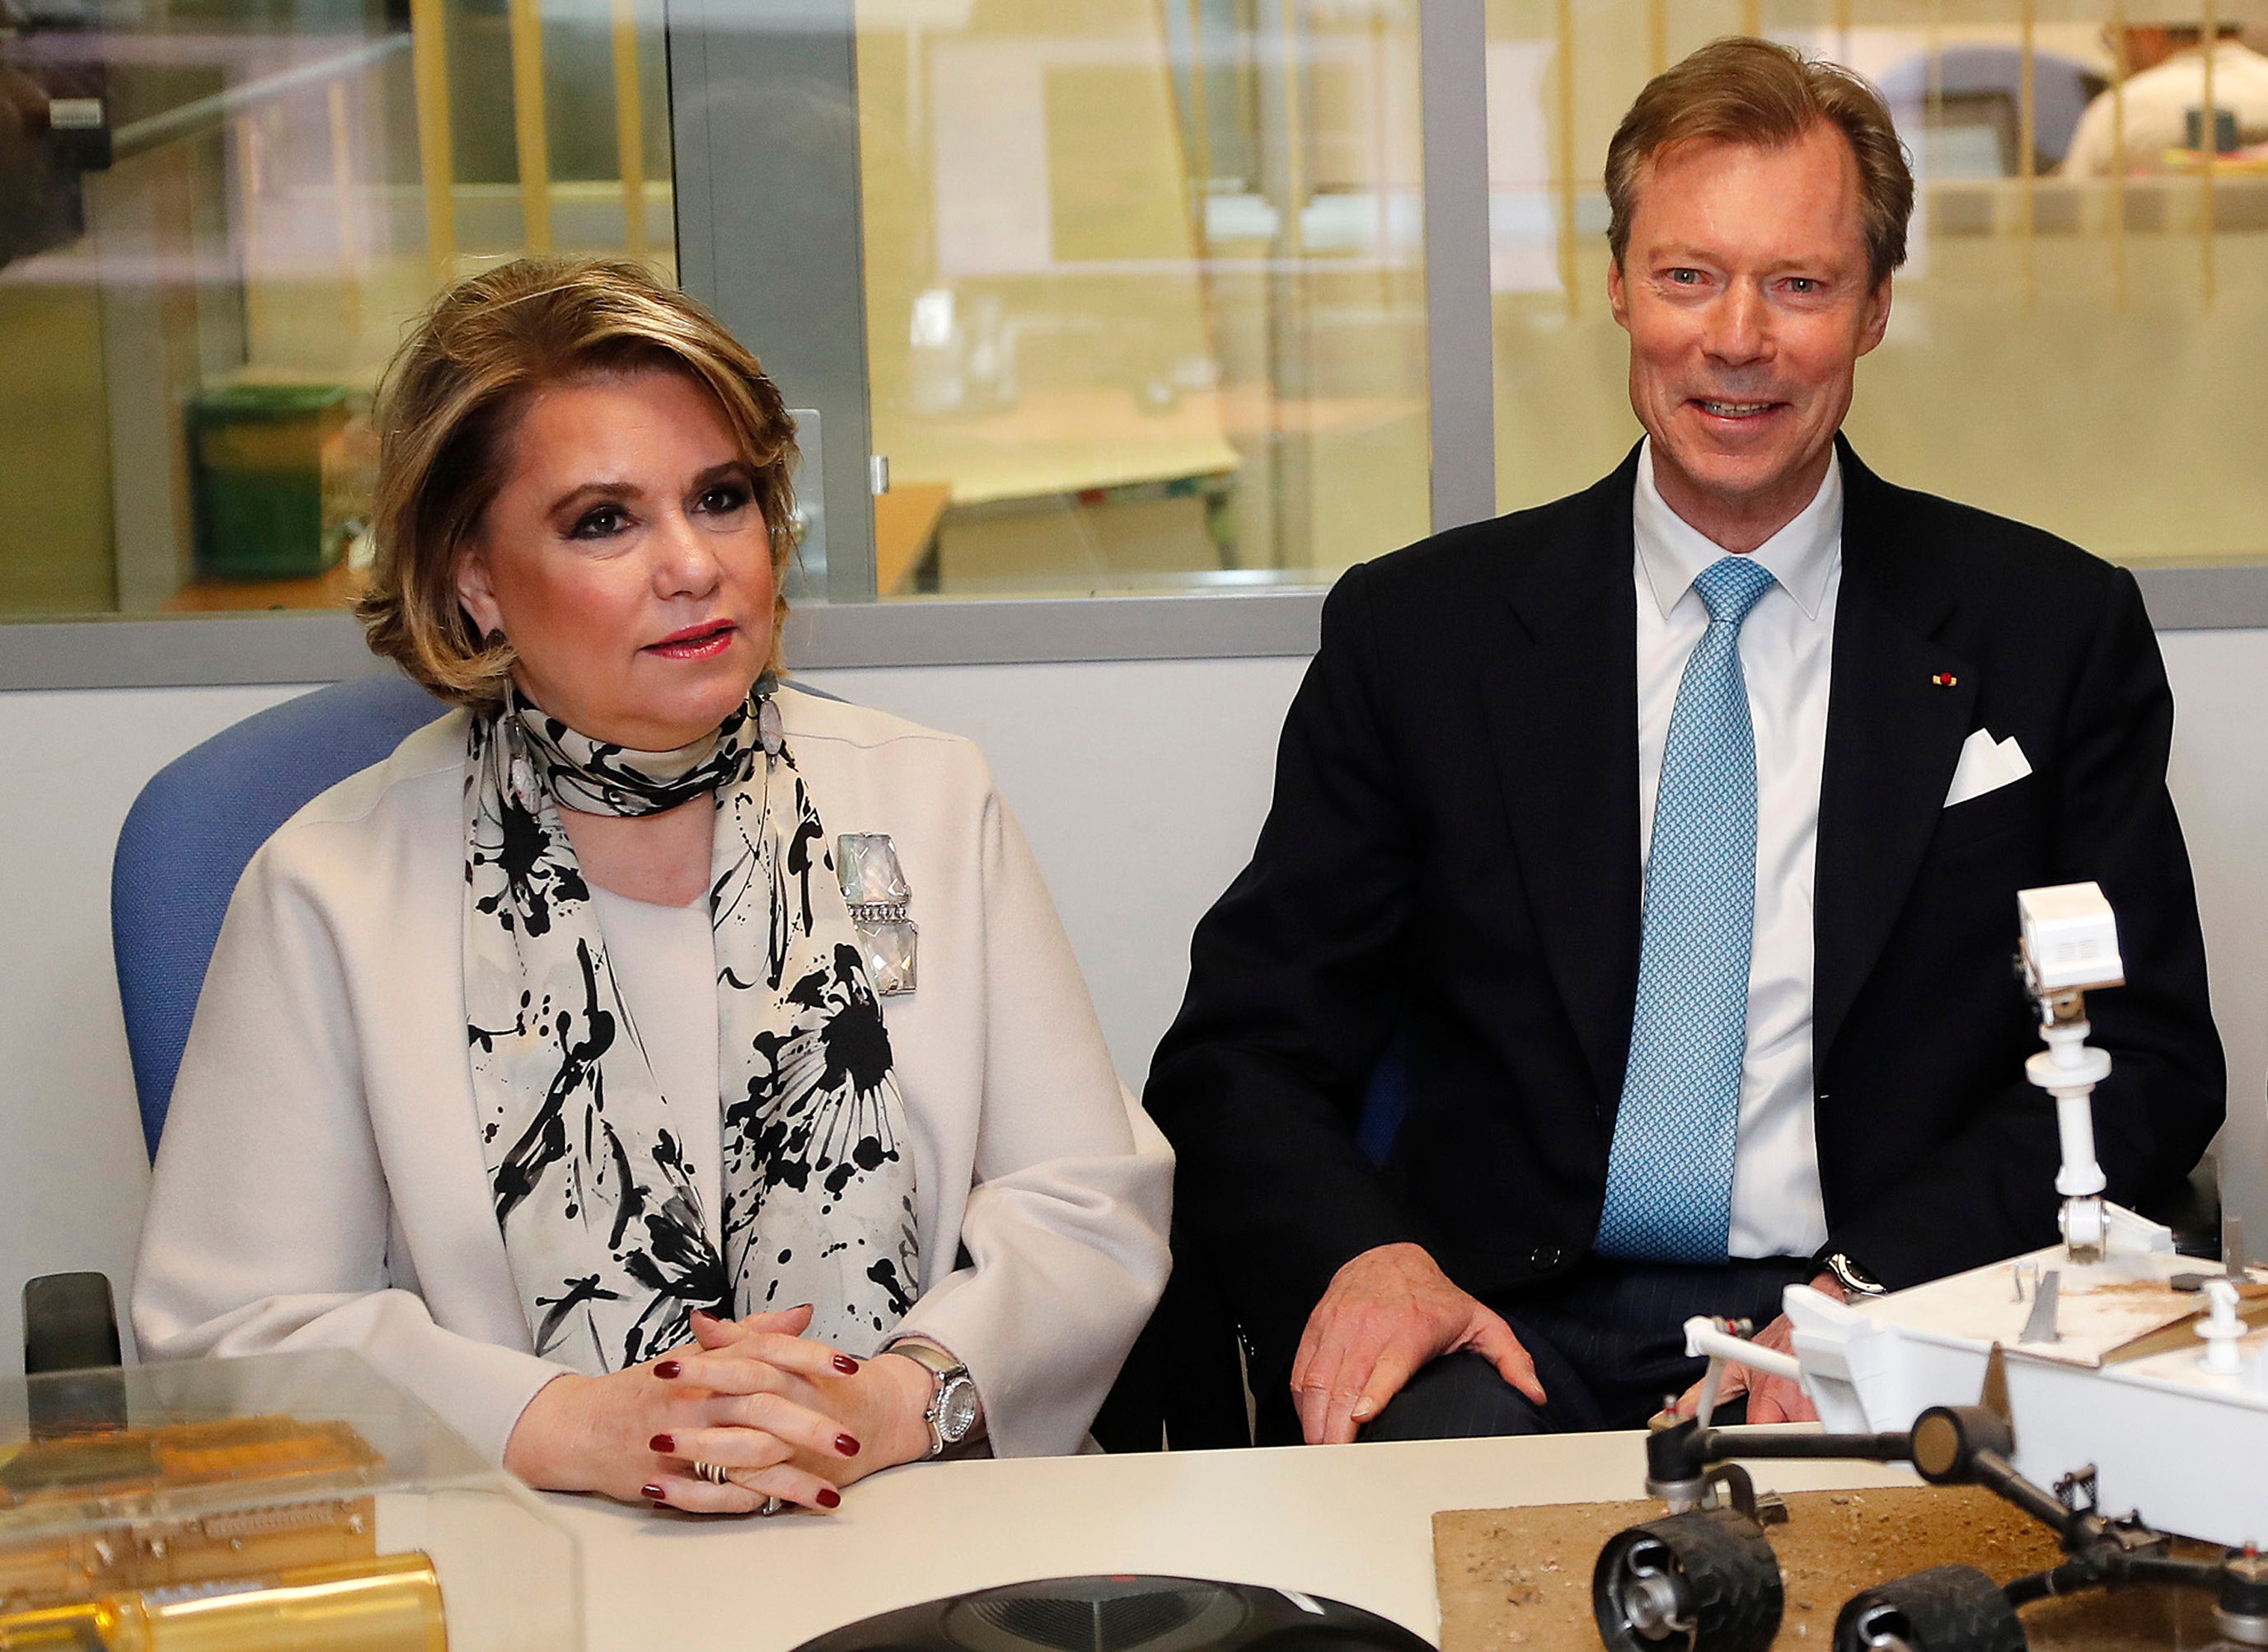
<point x="783" y="1416"/>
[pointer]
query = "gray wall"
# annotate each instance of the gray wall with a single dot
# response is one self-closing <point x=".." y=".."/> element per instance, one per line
<point x="1140" y="785"/>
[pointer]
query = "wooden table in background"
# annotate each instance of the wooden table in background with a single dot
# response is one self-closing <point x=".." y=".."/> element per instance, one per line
<point x="905" y="530"/>
<point x="334" y="589"/>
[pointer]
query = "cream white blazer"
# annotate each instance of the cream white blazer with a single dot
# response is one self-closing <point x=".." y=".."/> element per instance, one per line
<point x="320" y="1183"/>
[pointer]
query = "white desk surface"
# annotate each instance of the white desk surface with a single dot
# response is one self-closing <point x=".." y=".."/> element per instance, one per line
<point x="1354" y="1523"/>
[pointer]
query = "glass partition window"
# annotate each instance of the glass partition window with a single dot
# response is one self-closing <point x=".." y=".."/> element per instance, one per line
<point x="2078" y="337"/>
<point x="1144" y="284"/>
<point x="215" y="217"/>
<point x="1144" y="290"/>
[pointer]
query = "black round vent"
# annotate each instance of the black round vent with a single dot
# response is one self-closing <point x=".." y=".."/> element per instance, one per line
<point x="1092" y="1626"/>
<point x="1099" y="1615"/>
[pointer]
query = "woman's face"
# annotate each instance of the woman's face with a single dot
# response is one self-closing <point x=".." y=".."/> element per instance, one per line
<point x="626" y="560"/>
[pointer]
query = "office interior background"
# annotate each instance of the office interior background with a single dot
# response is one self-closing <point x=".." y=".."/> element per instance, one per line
<point x="1119" y="328"/>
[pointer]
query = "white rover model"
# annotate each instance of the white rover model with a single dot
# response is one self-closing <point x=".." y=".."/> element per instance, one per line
<point x="2105" y="1373"/>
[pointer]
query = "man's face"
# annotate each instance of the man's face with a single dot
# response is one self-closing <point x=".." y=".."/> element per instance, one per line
<point x="1745" y="291"/>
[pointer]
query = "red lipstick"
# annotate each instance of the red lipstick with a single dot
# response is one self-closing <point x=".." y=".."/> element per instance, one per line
<point x="696" y="642"/>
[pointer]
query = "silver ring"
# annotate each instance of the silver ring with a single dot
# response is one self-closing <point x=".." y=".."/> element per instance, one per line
<point x="772" y="1506"/>
<point x="714" y="1474"/>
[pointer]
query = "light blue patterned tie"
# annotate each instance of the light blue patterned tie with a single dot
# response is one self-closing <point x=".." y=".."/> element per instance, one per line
<point x="1669" y="1174"/>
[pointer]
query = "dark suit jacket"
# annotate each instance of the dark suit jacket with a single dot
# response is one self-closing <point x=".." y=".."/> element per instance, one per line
<point x="1453" y="850"/>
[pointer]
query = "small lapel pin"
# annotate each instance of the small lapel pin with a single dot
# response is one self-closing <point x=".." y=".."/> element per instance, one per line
<point x="1945" y="679"/>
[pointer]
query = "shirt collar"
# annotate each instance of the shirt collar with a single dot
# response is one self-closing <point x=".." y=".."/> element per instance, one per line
<point x="1802" y="556"/>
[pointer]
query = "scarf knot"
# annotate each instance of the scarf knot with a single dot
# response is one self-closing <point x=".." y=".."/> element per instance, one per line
<point x="597" y="778"/>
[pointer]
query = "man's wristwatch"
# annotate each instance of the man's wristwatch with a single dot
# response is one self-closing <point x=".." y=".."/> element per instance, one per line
<point x="952" y="1407"/>
<point x="1855" y="1280"/>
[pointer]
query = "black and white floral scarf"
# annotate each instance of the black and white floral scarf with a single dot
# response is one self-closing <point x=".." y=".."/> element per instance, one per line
<point x="602" y="1223"/>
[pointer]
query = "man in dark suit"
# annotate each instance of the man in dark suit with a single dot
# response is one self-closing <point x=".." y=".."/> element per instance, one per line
<point x="1663" y="842"/>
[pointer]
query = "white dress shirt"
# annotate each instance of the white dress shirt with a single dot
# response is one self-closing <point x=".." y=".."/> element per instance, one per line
<point x="2156" y="105"/>
<point x="1787" y="647"/>
<point x="665" y="963"/>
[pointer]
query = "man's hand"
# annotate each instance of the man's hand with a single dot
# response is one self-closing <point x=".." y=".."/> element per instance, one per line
<point x="1386" y="1314"/>
<point x="1770" y="1399"/>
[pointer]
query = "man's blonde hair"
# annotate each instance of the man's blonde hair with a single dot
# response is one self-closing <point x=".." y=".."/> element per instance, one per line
<point x="1741" y="90"/>
<point x="450" y="405"/>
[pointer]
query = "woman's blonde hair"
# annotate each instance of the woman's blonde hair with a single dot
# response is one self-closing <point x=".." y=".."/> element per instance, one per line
<point x="449" y="405"/>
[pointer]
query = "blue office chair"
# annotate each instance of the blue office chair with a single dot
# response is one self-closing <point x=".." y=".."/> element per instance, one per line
<point x="195" y="827"/>
<point x="1385" y="1099"/>
<point x="1977" y="92"/>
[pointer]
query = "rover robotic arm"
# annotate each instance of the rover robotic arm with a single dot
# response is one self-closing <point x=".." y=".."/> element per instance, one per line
<point x="2070" y="950"/>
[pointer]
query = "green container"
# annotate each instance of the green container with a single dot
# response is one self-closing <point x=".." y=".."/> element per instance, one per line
<point x="272" y="465"/>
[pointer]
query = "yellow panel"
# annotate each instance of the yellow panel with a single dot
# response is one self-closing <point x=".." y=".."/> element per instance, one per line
<point x="1116" y="186"/>
<point x="54" y="463"/>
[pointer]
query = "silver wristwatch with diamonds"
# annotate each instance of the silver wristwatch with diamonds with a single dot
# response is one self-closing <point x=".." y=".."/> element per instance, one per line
<point x="953" y="1407"/>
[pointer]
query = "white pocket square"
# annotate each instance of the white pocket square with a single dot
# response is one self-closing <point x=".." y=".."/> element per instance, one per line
<point x="1986" y="765"/>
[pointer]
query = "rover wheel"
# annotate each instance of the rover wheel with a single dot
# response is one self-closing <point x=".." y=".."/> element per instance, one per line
<point x="1705" y="1581"/>
<point x="1945" y="1609"/>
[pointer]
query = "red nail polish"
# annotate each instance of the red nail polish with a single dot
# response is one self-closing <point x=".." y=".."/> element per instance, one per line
<point x="845" y="1364"/>
<point x="652" y="1493"/>
<point x="668" y="1370"/>
<point x="846" y="1445"/>
<point x="828" y="1498"/>
<point x="663" y="1443"/>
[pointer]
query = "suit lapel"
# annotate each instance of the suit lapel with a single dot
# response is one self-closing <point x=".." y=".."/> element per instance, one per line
<point x="1562" y="709"/>
<point x="1894" y="736"/>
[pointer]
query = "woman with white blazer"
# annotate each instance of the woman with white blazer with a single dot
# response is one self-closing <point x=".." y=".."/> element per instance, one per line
<point x="680" y="1081"/>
